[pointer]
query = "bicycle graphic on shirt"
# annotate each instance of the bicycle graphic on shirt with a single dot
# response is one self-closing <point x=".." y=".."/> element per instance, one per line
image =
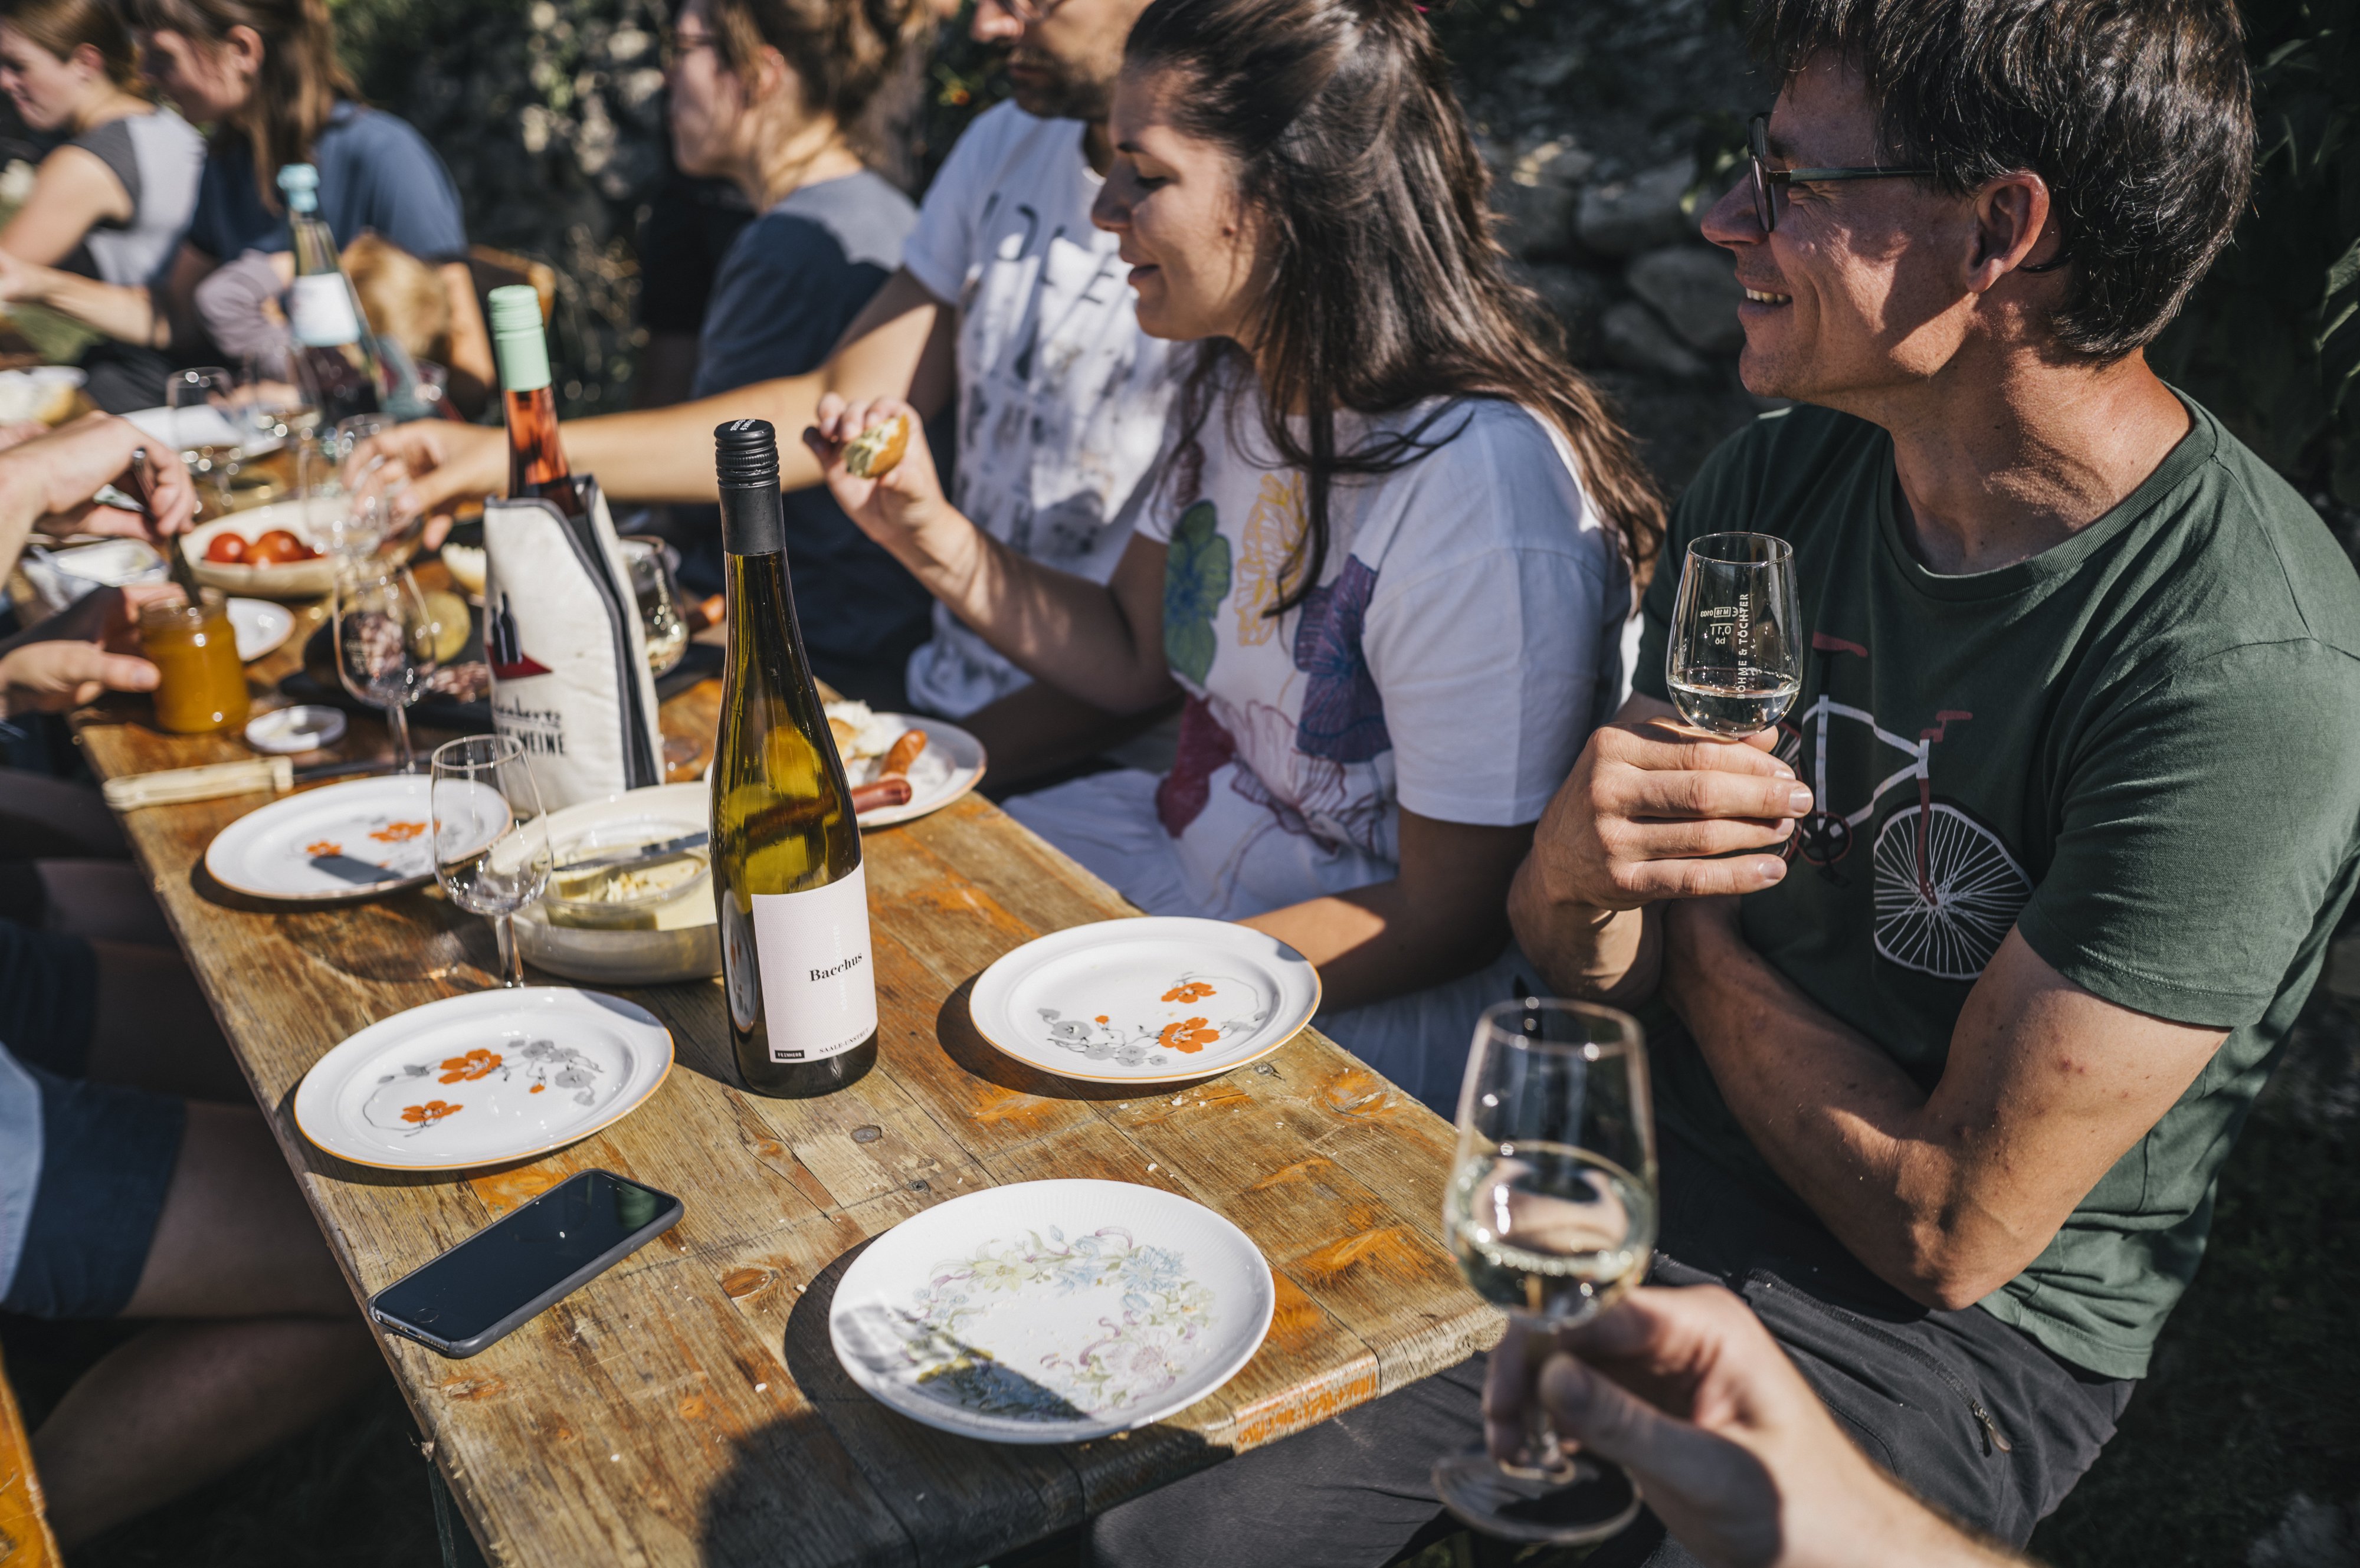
<point x="1946" y="890"/>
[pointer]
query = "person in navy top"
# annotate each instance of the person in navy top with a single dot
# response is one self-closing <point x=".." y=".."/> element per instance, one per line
<point x="265" y="75"/>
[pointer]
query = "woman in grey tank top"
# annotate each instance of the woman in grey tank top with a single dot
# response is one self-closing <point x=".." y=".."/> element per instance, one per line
<point x="112" y="202"/>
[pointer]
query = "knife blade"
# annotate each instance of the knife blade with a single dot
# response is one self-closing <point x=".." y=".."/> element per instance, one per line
<point x="343" y="770"/>
<point x="663" y="850"/>
<point x="347" y="868"/>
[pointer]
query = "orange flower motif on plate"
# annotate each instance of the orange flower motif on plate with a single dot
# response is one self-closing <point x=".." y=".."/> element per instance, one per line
<point x="1191" y="991"/>
<point x="323" y="847"/>
<point x="398" y="832"/>
<point x="476" y="1064"/>
<point x="432" y="1111"/>
<point x="1188" y="1035"/>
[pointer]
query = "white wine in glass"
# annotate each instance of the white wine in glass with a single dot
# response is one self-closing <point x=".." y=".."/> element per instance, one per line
<point x="1551" y="1214"/>
<point x="1732" y="665"/>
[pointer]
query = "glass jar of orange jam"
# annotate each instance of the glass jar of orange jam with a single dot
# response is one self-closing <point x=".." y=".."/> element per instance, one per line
<point x="201" y="684"/>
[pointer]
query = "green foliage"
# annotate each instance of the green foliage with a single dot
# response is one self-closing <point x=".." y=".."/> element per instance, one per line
<point x="2271" y="339"/>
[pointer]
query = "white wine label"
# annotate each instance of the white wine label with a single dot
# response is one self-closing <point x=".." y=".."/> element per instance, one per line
<point x="320" y="308"/>
<point x="819" y="997"/>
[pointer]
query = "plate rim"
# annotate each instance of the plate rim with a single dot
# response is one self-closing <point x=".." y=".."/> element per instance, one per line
<point x="1318" y="994"/>
<point x="270" y="607"/>
<point x="930" y="1414"/>
<point x="614" y="1113"/>
<point x="910" y="811"/>
<point x="332" y="895"/>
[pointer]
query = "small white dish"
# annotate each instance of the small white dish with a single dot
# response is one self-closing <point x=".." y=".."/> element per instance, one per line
<point x="187" y="428"/>
<point x="484" y="1078"/>
<point x="284" y="732"/>
<point x="261" y="627"/>
<point x="1052" y="1311"/>
<point x="273" y="850"/>
<point x="951" y="766"/>
<point x="1164" y="999"/>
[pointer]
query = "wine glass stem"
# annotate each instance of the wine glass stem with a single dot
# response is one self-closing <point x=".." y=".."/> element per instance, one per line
<point x="511" y="961"/>
<point x="1542" y="1450"/>
<point x="396" y="719"/>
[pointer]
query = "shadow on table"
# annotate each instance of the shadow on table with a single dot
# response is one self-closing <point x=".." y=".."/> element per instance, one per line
<point x="953" y="1498"/>
<point x="965" y="1044"/>
<point x="390" y="937"/>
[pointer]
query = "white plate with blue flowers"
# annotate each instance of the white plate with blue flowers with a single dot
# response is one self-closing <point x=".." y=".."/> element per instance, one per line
<point x="484" y="1078"/>
<point x="1052" y="1311"/>
<point x="1163" y="999"/>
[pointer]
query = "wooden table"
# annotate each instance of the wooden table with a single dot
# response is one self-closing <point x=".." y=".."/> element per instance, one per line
<point x="686" y="1406"/>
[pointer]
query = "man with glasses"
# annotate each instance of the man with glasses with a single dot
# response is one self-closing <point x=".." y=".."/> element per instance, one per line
<point x="1010" y="307"/>
<point x="1960" y="983"/>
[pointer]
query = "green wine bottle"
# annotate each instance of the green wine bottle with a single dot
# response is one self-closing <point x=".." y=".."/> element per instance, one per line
<point x="793" y="903"/>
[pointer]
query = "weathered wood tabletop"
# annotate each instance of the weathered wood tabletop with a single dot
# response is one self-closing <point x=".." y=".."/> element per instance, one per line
<point x="686" y="1406"/>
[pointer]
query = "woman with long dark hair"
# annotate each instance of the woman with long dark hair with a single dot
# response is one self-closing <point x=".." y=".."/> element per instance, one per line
<point x="112" y="200"/>
<point x="1388" y="553"/>
<point x="264" y="74"/>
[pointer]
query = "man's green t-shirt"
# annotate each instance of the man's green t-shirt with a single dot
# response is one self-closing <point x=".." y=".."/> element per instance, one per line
<point x="2140" y="748"/>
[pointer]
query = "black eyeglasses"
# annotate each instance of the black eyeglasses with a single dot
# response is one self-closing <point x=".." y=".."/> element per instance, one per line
<point x="1767" y="181"/>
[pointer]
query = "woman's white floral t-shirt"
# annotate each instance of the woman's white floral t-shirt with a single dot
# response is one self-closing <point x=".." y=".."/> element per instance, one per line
<point x="1464" y="638"/>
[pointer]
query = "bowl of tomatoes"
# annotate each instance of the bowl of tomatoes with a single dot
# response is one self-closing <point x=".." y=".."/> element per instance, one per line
<point x="265" y="551"/>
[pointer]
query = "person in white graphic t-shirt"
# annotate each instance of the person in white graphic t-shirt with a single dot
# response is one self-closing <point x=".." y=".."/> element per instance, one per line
<point x="1011" y="302"/>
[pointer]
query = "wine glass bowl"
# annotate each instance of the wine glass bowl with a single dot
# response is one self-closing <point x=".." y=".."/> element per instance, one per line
<point x="666" y="630"/>
<point x="491" y="840"/>
<point x="1733" y="665"/>
<point x="205" y="431"/>
<point x="383" y="639"/>
<point x="1551" y="1214"/>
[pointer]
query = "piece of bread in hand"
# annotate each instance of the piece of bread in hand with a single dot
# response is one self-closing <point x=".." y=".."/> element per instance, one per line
<point x="872" y="454"/>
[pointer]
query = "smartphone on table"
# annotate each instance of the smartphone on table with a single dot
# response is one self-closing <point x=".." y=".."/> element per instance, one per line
<point x="499" y="1279"/>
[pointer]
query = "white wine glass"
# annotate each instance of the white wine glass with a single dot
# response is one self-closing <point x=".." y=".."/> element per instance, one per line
<point x="1733" y="665"/>
<point x="385" y="646"/>
<point x="491" y="840"/>
<point x="202" y="401"/>
<point x="650" y="560"/>
<point x="1551" y="1214"/>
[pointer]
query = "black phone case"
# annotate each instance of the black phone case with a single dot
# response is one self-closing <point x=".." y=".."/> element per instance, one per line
<point x="476" y="1343"/>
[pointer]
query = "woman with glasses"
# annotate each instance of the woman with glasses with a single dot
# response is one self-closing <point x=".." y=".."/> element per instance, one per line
<point x="1386" y="555"/>
<point x="265" y="75"/>
<point x="766" y="95"/>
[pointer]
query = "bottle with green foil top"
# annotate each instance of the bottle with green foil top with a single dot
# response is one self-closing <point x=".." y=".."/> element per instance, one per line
<point x="335" y="358"/>
<point x="787" y="877"/>
<point x="537" y="465"/>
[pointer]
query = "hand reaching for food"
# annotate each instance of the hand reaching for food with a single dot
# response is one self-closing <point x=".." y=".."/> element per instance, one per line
<point x="878" y="469"/>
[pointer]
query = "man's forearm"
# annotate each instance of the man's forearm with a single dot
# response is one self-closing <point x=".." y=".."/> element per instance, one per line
<point x="1835" y="1116"/>
<point x="1600" y="955"/>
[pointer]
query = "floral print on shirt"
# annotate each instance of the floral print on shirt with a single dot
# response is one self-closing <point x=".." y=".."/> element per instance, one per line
<point x="1343" y="714"/>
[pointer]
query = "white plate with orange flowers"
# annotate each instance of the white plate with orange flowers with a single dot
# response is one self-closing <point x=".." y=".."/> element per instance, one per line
<point x="1163" y="999"/>
<point x="483" y="1079"/>
<point x="343" y="841"/>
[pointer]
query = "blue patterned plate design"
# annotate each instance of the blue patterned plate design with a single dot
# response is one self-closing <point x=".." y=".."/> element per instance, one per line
<point x="1163" y="999"/>
<point x="1052" y="1311"/>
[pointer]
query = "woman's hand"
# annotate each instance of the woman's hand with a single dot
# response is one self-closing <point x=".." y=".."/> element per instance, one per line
<point x="52" y="677"/>
<point x="19" y="278"/>
<point x="899" y="509"/>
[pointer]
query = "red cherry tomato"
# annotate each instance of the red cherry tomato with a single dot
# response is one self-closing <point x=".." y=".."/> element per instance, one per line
<point x="277" y="548"/>
<point x="226" y="549"/>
